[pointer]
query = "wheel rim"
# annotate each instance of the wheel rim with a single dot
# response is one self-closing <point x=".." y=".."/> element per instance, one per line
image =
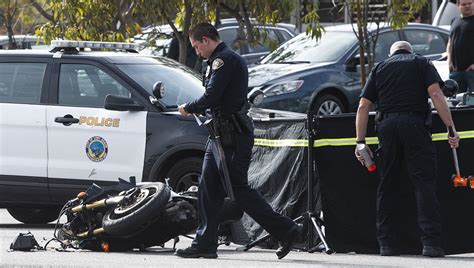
<point x="130" y="206"/>
<point x="329" y="107"/>
<point x="186" y="181"/>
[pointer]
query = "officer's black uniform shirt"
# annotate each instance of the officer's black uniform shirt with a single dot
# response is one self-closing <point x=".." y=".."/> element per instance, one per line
<point x="400" y="83"/>
<point x="226" y="83"/>
<point x="462" y="42"/>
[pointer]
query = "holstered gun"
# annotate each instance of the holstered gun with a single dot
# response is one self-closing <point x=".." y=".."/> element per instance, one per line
<point x="243" y="120"/>
<point x="224" y="128"/>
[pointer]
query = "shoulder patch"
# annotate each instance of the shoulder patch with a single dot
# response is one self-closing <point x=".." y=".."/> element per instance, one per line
<point x="217" y="63"/>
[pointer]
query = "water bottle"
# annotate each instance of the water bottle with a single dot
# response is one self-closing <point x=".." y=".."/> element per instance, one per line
<point x="368" y="161"/>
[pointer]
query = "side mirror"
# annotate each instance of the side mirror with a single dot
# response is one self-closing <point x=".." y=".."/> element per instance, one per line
<point x="158" y="90"/>
<point x="450" y="88"/>
<point x="351" y="65"/>
<point x="118" y="103"/>
<point x="255" y="96"/>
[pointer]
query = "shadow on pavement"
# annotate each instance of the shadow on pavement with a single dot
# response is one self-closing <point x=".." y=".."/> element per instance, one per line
<point x="27" y="226"/>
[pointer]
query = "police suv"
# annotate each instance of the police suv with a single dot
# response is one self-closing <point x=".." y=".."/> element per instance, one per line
<point x="73" y="116"/>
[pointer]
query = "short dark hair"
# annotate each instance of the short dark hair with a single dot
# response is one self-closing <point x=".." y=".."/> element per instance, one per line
<point x="204" y="29"/>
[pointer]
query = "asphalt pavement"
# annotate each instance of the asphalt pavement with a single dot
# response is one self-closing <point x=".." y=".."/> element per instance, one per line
<point x="164" y="257"/>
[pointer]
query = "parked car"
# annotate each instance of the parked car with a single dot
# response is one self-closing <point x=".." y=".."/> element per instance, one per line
<point x="326" y="71"/>
<point x="23" y="42"/>
<point x="72" y="118"/>
<point x="273" y="35"/>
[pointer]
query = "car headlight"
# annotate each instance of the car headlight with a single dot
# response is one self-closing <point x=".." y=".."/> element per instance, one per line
<point x="283" y="88"/>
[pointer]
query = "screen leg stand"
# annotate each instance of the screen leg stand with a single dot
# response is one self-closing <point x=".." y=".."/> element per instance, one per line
<point x="317" y="223"/>
<point x="311" y="222"/>
<point x="309" y="218"/>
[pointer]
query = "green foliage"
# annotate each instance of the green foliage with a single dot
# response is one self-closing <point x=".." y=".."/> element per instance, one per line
<point x="401" y="11"/>
<point x="103" y="20"/>
<point x="397" y="15"/>
<point x="314" y="28"/>
<point x="19" y="15"/>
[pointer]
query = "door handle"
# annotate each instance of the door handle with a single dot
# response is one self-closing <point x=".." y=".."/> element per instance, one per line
<point x="66" y="120"/>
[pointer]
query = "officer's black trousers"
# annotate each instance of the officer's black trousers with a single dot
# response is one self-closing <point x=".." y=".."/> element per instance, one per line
<point x="404" y="140"/>
<point x="211" y="194"/>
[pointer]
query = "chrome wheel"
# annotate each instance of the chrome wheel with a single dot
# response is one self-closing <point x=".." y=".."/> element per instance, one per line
<point x="329" y="107"/>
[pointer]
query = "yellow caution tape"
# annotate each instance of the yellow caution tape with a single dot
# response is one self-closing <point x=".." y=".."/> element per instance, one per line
<point x="469" y="134"/>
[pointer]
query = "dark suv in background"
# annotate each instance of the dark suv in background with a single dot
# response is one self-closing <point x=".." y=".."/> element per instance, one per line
<point x="328" y="71"/>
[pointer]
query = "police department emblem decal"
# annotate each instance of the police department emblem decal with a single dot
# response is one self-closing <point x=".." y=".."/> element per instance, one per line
<point x="97" y="149"/>
<point x="217" y="63"/>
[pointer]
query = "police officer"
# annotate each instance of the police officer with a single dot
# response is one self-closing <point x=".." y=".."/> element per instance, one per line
<point x="399" y="87"/>
<point x="226" y="85"/>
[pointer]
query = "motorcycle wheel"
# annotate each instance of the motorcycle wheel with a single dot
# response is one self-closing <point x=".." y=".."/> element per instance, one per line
<point x="128" y="217"/>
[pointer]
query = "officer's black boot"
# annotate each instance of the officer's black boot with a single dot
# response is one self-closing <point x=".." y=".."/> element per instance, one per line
<point x="433" y="251"/>
<point x="193" y="252"/>
<point x="286" y="246"/>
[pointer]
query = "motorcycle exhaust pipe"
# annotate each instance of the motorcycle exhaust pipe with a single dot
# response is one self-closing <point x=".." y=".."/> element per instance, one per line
<point x="98" y="204"/>
<point x="94" y="232"/>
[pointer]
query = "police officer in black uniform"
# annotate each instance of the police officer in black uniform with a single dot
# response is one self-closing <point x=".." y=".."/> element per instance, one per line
<point x="399" y="87"/>
<point x="225" y="96"/>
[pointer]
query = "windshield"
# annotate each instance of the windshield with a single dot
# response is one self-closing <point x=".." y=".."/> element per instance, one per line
<point x="303" y="48"/>
<point x="181" y="84"/>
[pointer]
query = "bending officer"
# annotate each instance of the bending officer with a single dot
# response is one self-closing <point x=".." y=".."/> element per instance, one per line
<point x="399" y="87"/>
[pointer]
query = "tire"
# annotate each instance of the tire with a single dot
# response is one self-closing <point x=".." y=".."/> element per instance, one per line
<point x="128" y="218"/>
<point x="40" y="215"/>
<point x="185" y="173"/>
<point x="328" y="104"/>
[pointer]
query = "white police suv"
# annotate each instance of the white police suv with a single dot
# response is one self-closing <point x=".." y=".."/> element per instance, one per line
<point x="74" y="116"/>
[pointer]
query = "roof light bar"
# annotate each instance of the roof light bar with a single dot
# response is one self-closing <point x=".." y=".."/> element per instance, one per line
<point x="93" y="45"/>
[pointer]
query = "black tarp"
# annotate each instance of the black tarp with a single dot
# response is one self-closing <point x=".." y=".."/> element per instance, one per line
<point x="347" y="191"/>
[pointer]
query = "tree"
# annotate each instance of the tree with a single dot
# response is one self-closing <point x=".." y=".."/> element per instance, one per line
<point x="121" y="19"/>
<point x="188" y="13"/>
<point x="105" y="20"/>
<point x="396" y="13"/>
<point x="9" y="11"/>
<point x="181" y="14"/>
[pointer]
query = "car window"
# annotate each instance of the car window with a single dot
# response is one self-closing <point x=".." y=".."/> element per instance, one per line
<point x="285" y="35"/>
<point x="21" y="82"/>
<point x="330" y="47"/>
<point x="384" y="42"/>
<point x="87" y="85"/>
<point x="425" y="42"/>
<point x="181" y="84"/>
<point x="229" y="36"/>
<point x="268" y="38"/>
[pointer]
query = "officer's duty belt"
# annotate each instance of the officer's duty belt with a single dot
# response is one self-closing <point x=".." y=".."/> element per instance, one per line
<point x="395" y="114"/>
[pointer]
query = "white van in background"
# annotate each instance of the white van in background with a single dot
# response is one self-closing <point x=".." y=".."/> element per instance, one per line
<point x="447" y="11"/>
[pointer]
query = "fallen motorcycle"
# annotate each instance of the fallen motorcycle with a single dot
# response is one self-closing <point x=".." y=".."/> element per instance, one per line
<point x="126" y="216"/>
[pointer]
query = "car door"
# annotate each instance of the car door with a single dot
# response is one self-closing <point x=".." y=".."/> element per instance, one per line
<point x="86" y="142"/>
<point x="381" y="52"/>
<point x="23" y="140"/>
